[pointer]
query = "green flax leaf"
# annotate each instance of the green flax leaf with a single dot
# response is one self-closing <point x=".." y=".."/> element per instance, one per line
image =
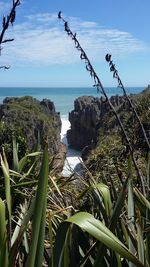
<point x="38" y="220"/>
<point x="98" y="230"/>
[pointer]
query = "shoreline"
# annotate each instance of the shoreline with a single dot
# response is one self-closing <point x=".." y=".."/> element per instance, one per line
<point x="73" y="157"/>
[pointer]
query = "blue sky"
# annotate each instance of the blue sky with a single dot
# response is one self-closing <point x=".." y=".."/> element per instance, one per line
<point x="43" y="55"/>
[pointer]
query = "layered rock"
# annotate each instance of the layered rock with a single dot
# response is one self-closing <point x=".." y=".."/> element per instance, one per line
<point x="95" y="130"/>
<point x="86" y="119"/>
<point x="29" y="119"/>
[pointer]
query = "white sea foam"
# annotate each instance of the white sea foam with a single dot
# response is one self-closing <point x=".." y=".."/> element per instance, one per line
<point x="64" y="128"/>
<point x="73" y="156"/>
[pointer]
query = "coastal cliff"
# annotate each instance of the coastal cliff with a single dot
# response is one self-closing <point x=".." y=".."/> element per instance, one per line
<point x="28" y="119"/>
<point x="95" y="131"/>
<point x="86" y="119"/>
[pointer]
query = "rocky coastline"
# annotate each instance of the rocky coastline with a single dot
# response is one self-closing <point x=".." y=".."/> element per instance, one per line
<point x="91" y="121"/>
<point x="28" y="119"/>
<point x="86" y="119"/>
<point x="94" y="126"/>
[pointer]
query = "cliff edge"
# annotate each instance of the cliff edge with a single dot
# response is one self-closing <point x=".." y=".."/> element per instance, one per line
<point x="95" y="131"/>
<point x="28" y="119"/>
<point x="86" y="119"/>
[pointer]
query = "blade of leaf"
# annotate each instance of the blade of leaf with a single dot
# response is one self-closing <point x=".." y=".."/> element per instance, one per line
<point x="59" y="245"/>
<point x="118" y="206"/>
<point x="140" y="243"/>
<point x="26" y="218"/>
<point x="15" y="156"/>
<point x="98" y="230"/>
<point x="3" y="236"/>
<point x="7" y="191"/>
<point x="39" y="206"/>
<point x="148" y="212"/>
<point x="131" y="213"/>
<point x="40" y="245"/>
<point x="24" y="160"/>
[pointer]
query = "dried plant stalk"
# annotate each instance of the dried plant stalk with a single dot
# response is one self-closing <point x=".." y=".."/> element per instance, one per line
<point x="120" y="84"/>
<point x="7" y="20"/>
<point x="100" y="88"/>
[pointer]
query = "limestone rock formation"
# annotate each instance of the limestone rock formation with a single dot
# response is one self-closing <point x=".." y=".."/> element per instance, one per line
<point x="86" y="118"/>
<point x="95" y="128"/>
<point x="27" y="118"/>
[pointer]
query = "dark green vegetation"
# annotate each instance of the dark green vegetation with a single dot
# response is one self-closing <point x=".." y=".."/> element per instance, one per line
<point x="29" y="120"/>
<point x="44" y="219"/>
<point x="111" y="230"/>
<point x="110" y="146"/>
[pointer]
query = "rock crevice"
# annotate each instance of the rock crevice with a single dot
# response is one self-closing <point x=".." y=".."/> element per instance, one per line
<point x="86" y="119"/>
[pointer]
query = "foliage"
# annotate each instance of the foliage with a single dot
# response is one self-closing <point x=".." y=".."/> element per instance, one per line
<point x="112" y="230"/>
<point x="101" y="89"/>
<point x="23" y="205"/>
<point x="26" y="119"/>
<point x="110" y="153"/>
<point x="16" y="217"/>
<point x="128" y="215"/>
<point x="119" y="224"/>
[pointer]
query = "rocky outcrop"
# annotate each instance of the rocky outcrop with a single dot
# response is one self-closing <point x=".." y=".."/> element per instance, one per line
<point x="95" y="130"/>
<point x="93" y="121"/>
<point x="29" y="120"/>
<point x="86" y="119"/>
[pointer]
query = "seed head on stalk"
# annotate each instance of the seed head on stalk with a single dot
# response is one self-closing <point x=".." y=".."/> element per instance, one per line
<point x="100" y="88"/>
<point x="113" y="69"/>
<point x="83" y="55"/>
<point x="6" y="21"/>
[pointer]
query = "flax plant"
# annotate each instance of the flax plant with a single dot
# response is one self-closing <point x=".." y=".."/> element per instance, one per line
<point x="125" y="221"/>
<point x="14" y="233"/>
<point x="101" y="89"/>
<point x="114" y="233"/>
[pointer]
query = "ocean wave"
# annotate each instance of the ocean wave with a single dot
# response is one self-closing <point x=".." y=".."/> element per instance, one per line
<point x="73" y="156"/>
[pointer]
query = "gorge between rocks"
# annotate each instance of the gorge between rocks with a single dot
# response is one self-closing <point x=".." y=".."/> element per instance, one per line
<point x="73" y="157"/>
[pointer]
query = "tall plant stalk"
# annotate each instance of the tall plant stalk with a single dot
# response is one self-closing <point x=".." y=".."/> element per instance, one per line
<point x="7" y="20"/>
<point x="101" y="89"/>
<point x="113" y="69"/>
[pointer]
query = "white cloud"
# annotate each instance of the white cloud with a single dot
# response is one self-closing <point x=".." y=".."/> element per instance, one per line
<point x="4" y="7"/>
<point x="42" y="18"/>
<point x="41" y="41"/>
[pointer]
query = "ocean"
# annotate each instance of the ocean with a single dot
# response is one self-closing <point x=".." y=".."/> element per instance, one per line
<point x="63" y="99"/>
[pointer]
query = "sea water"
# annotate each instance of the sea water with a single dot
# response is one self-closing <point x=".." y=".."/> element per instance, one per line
<point x="73" y="156"/>
<point x="63" y="98"/>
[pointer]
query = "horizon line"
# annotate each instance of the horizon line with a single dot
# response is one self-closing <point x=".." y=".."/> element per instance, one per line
<point x="52" y="87"/>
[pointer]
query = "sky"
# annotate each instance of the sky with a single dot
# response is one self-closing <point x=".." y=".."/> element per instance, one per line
<point x="42" y="55"/>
